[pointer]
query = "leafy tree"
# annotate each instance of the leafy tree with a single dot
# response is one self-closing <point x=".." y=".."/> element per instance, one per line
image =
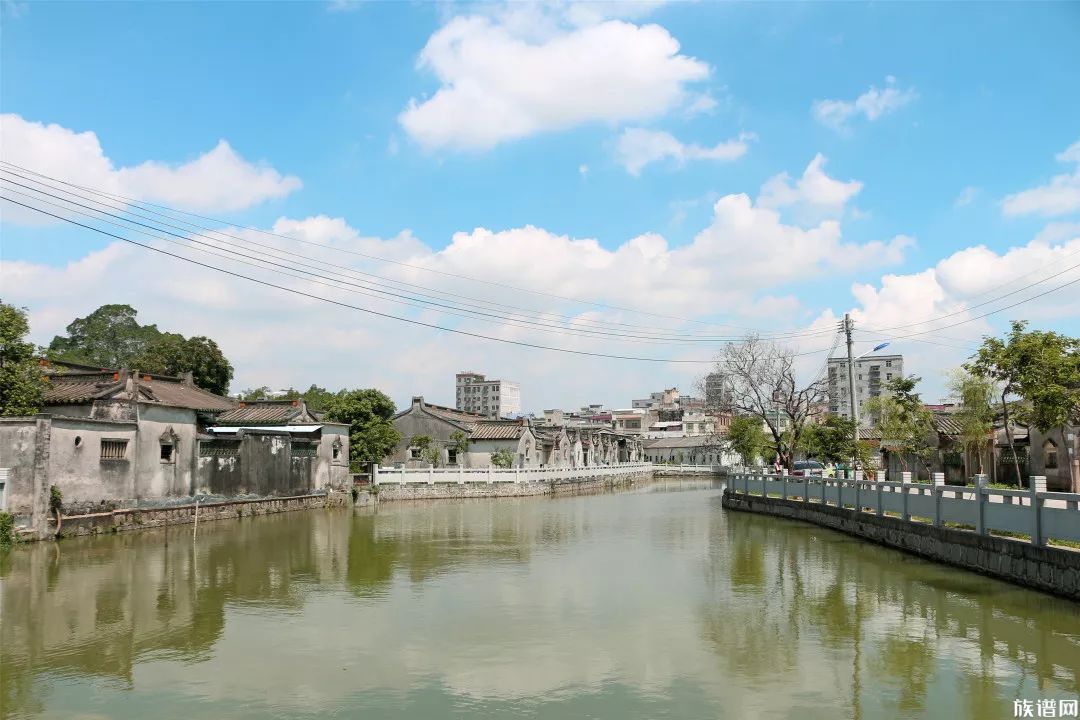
<point x="832" y="440"/>
<point x="904" y="422"/>
<point x="21" y="382"/>
<point x="762" y="383"/>
<point x="371" y="434"/>
<point x="502" y="458"/>
<point x="459" y="443"/>
<point x="109" y="337"/>
<point x="747" y="438"/>
<point x="1042" y="369"/>
<point x="976" y="394"/>
<point x="172" y="354"/>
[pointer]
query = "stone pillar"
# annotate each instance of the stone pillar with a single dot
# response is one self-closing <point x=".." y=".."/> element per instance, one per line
<point x="905" y="479"/>
<point x="1038" y="485"/>
<point x="980" y="494"/>
<point x="939" y="485"/>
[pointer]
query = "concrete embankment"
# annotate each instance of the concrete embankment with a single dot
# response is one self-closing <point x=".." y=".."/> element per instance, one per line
<point x="1050" y="569"/>
<point x="127" y="519"/>
<point x="391" y="492"/>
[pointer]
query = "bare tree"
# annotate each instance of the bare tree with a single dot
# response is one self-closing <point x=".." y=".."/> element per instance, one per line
<point x="760" y="376"/>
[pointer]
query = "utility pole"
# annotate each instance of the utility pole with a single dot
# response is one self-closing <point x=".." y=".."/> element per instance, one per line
<point x="854" y="404"/>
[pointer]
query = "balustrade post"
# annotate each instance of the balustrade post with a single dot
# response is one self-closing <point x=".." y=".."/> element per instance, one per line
<point x="905" y="480"/>
<point x="980" y="499"/>
<point x="939" y="487"/>
<point x="783" y="486"/>
<point x="460" y="475"/>
<point x="490" y="477"/>
<point x="375" y="473"/>
<point x="401" y="478"/>
<point x="858" y="491"/>
<point x="1038" y="485"/>
<point x="879" y="478"/>
<point x="430" y="474"/>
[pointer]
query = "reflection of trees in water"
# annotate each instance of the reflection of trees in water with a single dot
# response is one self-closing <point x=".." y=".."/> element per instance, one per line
<point x="894" y="621"/>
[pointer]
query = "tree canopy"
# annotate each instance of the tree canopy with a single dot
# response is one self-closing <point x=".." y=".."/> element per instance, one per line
<point x="762" y="382"/>
<point x="747" y="438"/>
<point x="21" y="382"/>
<point x="906" y="426"/>
<point x="371" y="434"/>
<point x="112" y="337"/>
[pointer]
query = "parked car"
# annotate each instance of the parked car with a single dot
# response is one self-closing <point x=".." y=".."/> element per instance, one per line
<point x="807" y="467"/>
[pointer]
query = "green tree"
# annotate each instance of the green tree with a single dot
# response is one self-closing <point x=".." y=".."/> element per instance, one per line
<point x="906" y="426"/>
<point x="459" y="443"/>
<point x="173" y="354"/>
<point x="1042" y="369"/>
<point x="747" y="438"/>
<point x="109" y="337"/>
<point x="832" y="440"/>
<point x="502" y="458"/>
<point x="976" y="394"/>
<point x="371" y="434"/>
<point x="429" y="451"/>
<point x="21" y="382"/>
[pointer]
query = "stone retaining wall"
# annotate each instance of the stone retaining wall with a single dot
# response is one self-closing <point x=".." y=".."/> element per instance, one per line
<point x="141" y="518"/>
<point x="391" y="492"/>
<point x="1053" y="570"/>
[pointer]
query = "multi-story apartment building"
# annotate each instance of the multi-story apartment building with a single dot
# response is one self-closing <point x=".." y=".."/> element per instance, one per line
<point x="493" y="398"/>
<point x="872" y="374"/>
<point x="717" y="392"/>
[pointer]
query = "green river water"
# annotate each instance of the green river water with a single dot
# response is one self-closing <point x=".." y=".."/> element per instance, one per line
<point x="648" y="603"/>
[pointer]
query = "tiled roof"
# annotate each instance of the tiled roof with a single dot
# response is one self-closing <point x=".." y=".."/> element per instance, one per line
<point x="947" y="424"/>
<point x="79" y="386"/>
<point x="496" y="430"/>
<point x="458" y="416"/>
<point x="268" y="412"/>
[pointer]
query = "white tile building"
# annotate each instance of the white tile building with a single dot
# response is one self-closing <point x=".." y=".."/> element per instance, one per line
<point x="493" y="398"/>
<point x="872" y="374"/>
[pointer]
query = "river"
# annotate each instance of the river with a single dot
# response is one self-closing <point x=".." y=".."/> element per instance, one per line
<point x="649" y="603"/>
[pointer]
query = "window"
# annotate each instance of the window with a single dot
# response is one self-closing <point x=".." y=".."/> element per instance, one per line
<point x="337" y="452"/>
<point x="888" y="376"/>
<point x="1050" y="455"/>
<point x="888" y="363"/>
<point x="414" y="453"/>
<point x="113" y="449"/>
<point x="451" y="456"/>
<point x="166" y="452"/>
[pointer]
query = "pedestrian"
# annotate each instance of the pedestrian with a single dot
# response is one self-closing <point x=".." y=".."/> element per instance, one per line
<point x="776" y="465"/>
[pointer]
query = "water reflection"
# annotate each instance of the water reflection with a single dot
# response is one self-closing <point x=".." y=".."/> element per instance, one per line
<point x="640" y="604"/>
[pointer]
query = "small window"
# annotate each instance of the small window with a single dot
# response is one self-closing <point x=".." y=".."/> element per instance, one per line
<point x="414" y="453"/>
<point x="888" y="376"/>
<point x="78" y="441"/>
<point x="166" y="452"/>
<point x="1050" y="455"/>
<point x="888" y="363"/>
<point x="337" y="452"/>
<point x="451" y="456"/>
<point x="113" y="449"/>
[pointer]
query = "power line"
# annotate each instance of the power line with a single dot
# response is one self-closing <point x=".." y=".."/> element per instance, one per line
<point x="144" y="204"/>
<point x="418" y="296"/>
<point x="369" y="311"/>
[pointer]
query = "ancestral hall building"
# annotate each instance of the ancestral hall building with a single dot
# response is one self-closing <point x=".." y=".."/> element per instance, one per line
<point x="109" y="439"/>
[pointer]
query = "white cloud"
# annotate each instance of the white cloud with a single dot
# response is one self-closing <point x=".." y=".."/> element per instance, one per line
<point x="512" y="75"/>
<point x="872" y="104"/>
<point x="638" y="147"/>
<point x="219" y="179"/>
<point x="814" y="192"/>
<point x="1061" y="196"/>
<point x="260" y="328"/>
<point x="583" y="170"/>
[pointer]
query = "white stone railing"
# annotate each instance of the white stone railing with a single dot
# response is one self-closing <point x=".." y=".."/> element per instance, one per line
<point x="432" y="475"/>
<point x="690" y="469"/>
<point x="1033" y="511"/>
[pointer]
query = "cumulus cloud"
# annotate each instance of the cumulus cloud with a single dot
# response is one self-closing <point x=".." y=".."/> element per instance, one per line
<point x="1061" y="196"/>
<point x="260" y="328"/>
<point x="638" y="147"/>
<point x="505" y="76"/>
<point x="814" y="193"/>
<point x="872" y="104"/>
<point x="219" y="179"/>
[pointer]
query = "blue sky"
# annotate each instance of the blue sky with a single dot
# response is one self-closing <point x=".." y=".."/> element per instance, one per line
<point x="984" y="97"/>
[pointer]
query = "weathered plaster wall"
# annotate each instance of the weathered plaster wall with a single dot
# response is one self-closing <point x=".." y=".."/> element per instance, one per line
<point x="25" y="492"/>
<point x="158" y="478"/>
<point x="78" y="470"/>
<point x="331" y="472"/>
<point x="1050" y="569"/>
<point x="417" y="423"/>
